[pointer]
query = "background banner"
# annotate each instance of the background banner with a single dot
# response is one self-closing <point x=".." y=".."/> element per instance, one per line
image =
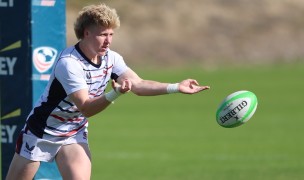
<point x="15" y="74"/>
<point x="48" y="39"/>
<point x="32" y="32"/>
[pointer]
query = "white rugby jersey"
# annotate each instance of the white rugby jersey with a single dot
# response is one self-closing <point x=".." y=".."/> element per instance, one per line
<point x="55" y="113"/>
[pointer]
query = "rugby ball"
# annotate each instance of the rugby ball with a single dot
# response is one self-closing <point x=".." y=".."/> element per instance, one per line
<point x="236" y="109"/>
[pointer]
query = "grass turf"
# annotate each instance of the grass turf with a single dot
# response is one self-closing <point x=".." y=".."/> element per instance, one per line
<point x="177" y="137"/>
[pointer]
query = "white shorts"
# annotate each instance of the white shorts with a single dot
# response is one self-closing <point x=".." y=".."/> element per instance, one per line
<point x="33" y="148"/>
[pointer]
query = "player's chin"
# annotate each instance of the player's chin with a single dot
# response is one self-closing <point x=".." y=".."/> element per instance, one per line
<point x="102" y="52"/>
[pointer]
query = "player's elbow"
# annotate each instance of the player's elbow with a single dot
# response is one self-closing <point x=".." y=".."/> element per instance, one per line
<point x="85" y="112"/>
<point x="93" y="107"/>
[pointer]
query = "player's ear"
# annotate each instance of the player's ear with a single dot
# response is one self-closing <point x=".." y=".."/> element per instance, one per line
<point x="85" y="32"/>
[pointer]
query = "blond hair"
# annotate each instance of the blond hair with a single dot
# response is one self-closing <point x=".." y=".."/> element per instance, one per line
<point x="95" y="15"/>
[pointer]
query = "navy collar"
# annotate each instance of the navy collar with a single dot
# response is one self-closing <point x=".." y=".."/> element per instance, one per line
<point x="102" y="58"/>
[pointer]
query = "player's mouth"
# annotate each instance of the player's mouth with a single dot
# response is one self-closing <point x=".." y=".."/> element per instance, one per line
<point x="105" y="47"/>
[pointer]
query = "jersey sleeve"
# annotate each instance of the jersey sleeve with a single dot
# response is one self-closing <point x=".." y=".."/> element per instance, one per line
<point x="119" y="65"/>
<point x="70" y="74"/>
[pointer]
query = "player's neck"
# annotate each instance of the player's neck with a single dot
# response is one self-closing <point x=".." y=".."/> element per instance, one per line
<point x="90" y="55"/>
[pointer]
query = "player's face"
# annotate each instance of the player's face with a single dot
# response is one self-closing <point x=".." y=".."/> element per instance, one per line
<point x="100" y="39"/>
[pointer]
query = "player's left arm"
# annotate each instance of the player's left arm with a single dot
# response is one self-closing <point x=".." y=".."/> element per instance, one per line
<point x="144" y="87"/>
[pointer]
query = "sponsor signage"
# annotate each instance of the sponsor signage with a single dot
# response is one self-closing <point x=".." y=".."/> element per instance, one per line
<point x="15" y="75"/>
<point x="31" y="37"/>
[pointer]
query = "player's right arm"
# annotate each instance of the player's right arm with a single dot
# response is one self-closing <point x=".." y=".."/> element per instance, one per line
<point x="71" y="76"/>
<point x="91" y="106"/>
<point x="88" y="107"/>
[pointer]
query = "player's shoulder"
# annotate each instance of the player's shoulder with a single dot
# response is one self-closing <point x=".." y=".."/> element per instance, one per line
<point x="69" y="52"/>
<point x="68" y="57"/>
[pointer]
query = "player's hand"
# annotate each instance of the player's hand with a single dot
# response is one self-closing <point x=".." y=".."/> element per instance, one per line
<point x="124" y="87"/>
<point x="191" y="86"/>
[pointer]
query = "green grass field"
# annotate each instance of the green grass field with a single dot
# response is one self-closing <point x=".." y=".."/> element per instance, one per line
<point x="176" y="137"/>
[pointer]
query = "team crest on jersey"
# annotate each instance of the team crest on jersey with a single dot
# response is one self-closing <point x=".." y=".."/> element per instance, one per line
<point x="44" y="58"/>
<point x="88" y="75"/>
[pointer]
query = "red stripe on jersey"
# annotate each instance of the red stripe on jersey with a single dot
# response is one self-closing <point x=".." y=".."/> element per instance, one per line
<point x="71" y="133"/>
<point x="106" y="71"/>
<point x="97" y="76"/>
<point x="57" y="117"/>
<point x="71" y="120"/>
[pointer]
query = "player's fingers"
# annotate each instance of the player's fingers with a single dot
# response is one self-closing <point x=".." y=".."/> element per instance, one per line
<point x="204" y="87"/>
<point x="123" y="85"/>
<point x="113" y="84"/>
<point x="193" y="81"/>
<point x="128" y="84"/>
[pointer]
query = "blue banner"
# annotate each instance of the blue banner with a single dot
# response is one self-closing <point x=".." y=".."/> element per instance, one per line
<point x="48" y="39"/>
<point x="15" y="74"/>
<point x="32" y="32"/>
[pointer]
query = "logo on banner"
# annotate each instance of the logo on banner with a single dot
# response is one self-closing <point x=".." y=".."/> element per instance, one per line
<point x="7" y="63"/>
<point x="44" y="58"/>
<point x="44" y="2"/>
<point x="8" y="131"/>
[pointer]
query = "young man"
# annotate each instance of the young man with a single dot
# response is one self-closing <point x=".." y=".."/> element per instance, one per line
<point x="56" y="128"/>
